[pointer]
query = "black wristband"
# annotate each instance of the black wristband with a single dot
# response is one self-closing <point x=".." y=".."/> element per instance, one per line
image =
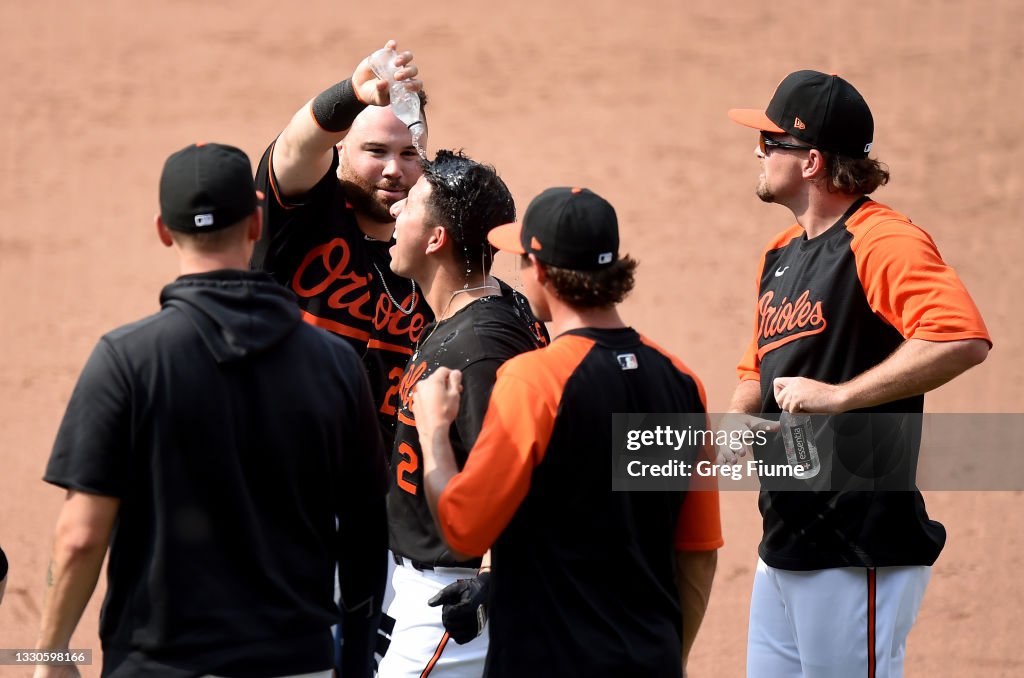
<point x="336" y="107"/>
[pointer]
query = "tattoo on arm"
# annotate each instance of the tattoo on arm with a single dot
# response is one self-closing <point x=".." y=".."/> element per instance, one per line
<point x="49" y="574"/>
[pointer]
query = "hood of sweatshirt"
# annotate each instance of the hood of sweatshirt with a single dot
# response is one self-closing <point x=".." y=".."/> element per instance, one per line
<point x="237" y="313"/>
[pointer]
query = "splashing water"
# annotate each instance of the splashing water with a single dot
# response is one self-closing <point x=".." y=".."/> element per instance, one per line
<point x="417" y="133"/>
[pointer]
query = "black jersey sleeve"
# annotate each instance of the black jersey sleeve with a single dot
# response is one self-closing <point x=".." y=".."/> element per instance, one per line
<point x="477" y="384"/>
<point x="280" y="213"/>
<point x="94" y="437"/>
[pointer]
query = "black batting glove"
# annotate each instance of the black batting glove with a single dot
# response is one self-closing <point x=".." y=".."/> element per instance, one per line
<point x="465" y="607"/>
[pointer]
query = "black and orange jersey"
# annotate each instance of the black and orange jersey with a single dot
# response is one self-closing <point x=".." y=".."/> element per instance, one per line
<point x="829" y="309"/>
<point x="584" y="577"/>
<point x="313" y="246"/>
<point x="476" y="340"/>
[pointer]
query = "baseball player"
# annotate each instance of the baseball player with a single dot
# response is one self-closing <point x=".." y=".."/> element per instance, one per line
<point x="584" y="579"/>
<point x="441" y="243"/>
<point x="330" y="180"/>
<point x="856" y="311"/>
<point x="213" y="446"/>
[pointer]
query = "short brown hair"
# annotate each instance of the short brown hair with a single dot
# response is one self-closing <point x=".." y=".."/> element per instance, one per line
<point x="599" y="288"/>
<point x="856" y="176"/>
<point x="212" y="241"/>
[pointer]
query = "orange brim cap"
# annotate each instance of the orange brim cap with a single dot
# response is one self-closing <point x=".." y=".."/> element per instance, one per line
<point x="507" y="238"/>
<point x="752" y="117"/>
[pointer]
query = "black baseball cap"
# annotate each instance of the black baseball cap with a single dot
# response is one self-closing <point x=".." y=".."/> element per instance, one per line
<point x="206" y="187"/>
<point x="822" y="110"/>
<point x="571" y="228"/>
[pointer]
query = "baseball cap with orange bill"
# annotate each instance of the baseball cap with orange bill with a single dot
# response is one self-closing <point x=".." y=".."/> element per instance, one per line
<point x="571" y="228"/>
<point x="822" y="110"/>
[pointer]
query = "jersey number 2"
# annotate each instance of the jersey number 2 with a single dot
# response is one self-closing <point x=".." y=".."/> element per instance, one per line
<point x="410" y="462"/>
<point x="394" y="377"/>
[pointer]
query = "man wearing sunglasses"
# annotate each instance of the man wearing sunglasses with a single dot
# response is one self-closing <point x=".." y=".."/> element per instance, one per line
<point x="856" y="311"/>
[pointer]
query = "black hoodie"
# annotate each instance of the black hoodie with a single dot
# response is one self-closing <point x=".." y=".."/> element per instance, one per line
<point x="233" y="435"/>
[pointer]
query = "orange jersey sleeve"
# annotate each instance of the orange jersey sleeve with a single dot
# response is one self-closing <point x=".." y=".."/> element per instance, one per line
<point x="478" y="503"/>
<point x="907" y="283"/>
<point x="700" y="522"/>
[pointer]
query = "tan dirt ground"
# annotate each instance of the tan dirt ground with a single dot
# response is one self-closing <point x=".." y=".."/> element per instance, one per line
<point x="626" y="98"/>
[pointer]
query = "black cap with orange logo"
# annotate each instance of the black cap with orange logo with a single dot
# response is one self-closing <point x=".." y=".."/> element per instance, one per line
<point x="572" y="228"/>
<point x="822" y="110"/>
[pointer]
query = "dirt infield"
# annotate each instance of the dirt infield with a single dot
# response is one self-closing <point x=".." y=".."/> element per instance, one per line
<point x="626" y="98"/>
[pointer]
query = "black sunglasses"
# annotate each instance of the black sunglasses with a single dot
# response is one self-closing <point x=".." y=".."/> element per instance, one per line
<point x="764" y="143"/>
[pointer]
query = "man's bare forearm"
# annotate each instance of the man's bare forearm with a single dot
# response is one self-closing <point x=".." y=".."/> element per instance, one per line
<point x="747" y="397"/>
<point x="696" y="574"/>
<point x="71" y="579"/>
<point x="916" y="367"/>
<point x="438" y="466"/>
<point x="80" y="544"/>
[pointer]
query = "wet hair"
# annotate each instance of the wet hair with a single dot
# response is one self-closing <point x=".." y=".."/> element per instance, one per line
<point x="856" y="176"/>
<point x="599" y="288"/>
<point x="468" y="199"/>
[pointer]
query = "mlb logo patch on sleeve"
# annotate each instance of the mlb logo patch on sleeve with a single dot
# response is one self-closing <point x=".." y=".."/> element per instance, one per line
<point x="627" y="361"/>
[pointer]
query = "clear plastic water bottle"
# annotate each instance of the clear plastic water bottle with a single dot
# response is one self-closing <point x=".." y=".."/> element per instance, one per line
<point x="801" y="450"/>
<point x="404" y="104"/>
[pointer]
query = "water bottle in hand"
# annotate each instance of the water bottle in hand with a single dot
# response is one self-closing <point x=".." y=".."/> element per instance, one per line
<point x="801" y="450"/>
<point x="404" y="104"/>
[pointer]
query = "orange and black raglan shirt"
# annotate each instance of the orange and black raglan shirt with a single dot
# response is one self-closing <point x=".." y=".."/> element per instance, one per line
<point x="313" y="246"/>
<point x="583" y="577"/>
<point x="830" y="308"/>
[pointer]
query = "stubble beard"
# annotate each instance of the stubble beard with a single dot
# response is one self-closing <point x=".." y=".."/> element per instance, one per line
<point x="364" y="199"/>
<point x="764" y="192"/>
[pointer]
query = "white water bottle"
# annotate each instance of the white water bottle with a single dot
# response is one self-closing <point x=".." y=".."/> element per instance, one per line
<point x="404" y="104"/>
<point x="801" y="450"/>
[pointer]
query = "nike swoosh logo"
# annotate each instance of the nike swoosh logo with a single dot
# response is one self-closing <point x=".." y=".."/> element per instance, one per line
<point x="780" y="271"/>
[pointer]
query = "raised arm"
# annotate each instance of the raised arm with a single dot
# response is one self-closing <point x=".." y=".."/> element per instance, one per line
<point x="303" y="152"/>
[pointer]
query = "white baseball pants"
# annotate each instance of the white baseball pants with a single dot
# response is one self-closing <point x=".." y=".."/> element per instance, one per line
<point x="849" y="622"/>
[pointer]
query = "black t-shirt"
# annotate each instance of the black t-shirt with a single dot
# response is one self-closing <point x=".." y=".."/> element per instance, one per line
<point x="313" y="246"/>
<point x="584" y="577"/>
<point x="234" y="436"/>
<point x="829" y="309"/>
<point x="476" y="340"/>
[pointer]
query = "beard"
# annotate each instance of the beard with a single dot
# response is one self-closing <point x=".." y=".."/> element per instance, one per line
<point x="764" y="192"/>
<point x="364" y="198"/>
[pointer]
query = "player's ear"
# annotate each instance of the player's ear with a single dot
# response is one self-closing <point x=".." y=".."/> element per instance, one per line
<point x="162" y="231"/>
<point x="256" y="225"/>
<point x="814" y="165"/>
<point x="537" y="270"/>
<point x="437" y="240"/>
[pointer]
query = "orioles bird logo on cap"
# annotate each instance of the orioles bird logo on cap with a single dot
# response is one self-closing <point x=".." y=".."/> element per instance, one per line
<point x="535" y="244"/>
